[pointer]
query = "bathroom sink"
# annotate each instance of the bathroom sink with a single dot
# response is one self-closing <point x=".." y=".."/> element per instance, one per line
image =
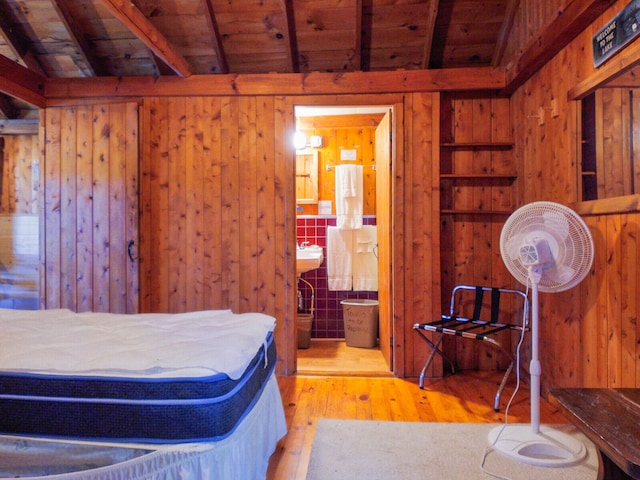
<point x="308" y="258"/>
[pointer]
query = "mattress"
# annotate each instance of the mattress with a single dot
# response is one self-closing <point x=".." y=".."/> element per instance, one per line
<point x="255" y="438"/>
<point x="153" y="378"/>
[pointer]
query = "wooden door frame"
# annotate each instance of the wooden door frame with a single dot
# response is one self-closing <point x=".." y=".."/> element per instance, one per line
<point x="397" y="104"/>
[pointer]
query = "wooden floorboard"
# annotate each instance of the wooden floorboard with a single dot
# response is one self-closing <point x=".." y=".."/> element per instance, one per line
<point x="464" y="397"/>
<point x="335" y="357"/>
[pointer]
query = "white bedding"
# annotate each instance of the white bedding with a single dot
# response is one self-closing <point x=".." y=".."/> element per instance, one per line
<point x="201" y="343"/>
<point x="242" y="456"/>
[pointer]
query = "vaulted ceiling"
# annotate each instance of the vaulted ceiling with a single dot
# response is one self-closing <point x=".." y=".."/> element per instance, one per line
<point x="72" y="39"/>
<point x="94" y="38"/>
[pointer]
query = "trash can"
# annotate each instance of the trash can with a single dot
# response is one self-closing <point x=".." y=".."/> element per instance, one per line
<point x="360" y="322"/>
<point x="305" y="320"/>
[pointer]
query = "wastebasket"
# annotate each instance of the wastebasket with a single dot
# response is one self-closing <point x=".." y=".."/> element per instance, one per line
<point x="360" y="322"/>
<point x="305" y="320"/>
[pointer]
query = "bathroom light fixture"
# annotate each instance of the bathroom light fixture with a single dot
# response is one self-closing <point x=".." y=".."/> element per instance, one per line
<point x="299" y="140"/>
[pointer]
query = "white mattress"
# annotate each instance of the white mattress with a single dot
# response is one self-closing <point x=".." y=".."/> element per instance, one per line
<point x="242" y="456"/>
<point x="135" y="346"/>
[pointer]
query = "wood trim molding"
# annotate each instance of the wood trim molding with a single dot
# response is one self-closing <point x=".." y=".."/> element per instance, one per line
<point x="615" y="205"/>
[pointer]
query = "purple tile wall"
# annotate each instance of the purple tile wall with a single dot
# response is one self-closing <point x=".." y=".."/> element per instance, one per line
<point x="327" y="322"/>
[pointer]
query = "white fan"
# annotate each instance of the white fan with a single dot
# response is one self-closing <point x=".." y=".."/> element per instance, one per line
<point x="547" y="246"/>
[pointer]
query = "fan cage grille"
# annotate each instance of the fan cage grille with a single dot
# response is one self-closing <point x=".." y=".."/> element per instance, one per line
<point x="567" y="235"/>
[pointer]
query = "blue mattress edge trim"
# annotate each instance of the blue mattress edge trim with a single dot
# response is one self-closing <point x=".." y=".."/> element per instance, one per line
<point x="166" y="421"/>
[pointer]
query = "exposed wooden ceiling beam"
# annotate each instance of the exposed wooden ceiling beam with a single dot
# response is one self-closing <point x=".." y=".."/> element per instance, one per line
<point x="6" y="108"/>
<point x="430" y="29"/>
<point x="127" y="13"/>
<point x="19" y="127"/>
<point x="159" y="67"/>
<point x="20" y="82"/>
<point x="570" y="21"/>
<point x="90" y="66"/>
<point x="223" y="66"/>
<point x="60" y="91"/>
<point x="357" y="48"/>
<point x="292" y="39"/>
<point x="15" y="39"/>
<point x="505" y="31"/>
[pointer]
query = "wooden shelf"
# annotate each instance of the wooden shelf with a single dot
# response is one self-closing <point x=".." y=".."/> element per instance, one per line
<point x="477" y="176"/>
<point x="476" y="212"/>
<point x="478" y="145"/>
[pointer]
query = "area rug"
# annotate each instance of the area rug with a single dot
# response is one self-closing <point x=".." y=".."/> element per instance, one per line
<point x="358" y="449"/>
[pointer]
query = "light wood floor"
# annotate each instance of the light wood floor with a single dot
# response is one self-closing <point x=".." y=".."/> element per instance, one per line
<point x="464" y="397"/>
<point x="334" y="357"/>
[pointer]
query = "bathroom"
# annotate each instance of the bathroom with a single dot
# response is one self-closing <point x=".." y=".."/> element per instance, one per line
<point x="334" y="136"/>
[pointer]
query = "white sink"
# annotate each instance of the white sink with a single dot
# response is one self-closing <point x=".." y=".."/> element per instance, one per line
<point x="308" y="258"/>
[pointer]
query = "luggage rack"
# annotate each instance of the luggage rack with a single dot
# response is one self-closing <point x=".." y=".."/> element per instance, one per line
<point x="477" y="326"/>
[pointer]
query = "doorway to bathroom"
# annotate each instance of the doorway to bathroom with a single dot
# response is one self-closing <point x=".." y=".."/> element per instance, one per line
<point x="332" y="137"/>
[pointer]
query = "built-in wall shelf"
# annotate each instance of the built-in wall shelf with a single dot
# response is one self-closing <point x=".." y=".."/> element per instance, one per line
<point x="475" y="169"/>
<point x="478" y="176"/>
<point x="478" y="145"/>
<point x="475" y="212"/>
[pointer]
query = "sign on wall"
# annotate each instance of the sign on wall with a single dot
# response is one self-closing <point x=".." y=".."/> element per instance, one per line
<point x="618" y="32"/>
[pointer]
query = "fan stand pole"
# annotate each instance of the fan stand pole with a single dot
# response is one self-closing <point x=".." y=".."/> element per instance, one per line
<point x="535" y="370"/>
<point x="533" y="444"/>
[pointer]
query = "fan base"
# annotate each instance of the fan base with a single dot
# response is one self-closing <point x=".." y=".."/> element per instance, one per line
<point x="548" y="448"/>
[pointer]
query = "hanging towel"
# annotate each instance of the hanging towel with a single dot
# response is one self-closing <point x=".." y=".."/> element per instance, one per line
<point x="339" y="259"/>
<point x="365" y="262"/>
<point x="349" y="196"/>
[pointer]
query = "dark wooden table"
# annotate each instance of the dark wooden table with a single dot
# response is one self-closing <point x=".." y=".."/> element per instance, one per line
<point x="610" y="418"/>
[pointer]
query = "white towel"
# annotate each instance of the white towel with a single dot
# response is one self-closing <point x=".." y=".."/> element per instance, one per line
<point x="339" y="259"/>
<point x="365" y="262"/>
<point x="349" y="181"/>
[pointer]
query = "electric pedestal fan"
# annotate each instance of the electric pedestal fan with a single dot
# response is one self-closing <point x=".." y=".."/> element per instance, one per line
<point x="547" y="246"/>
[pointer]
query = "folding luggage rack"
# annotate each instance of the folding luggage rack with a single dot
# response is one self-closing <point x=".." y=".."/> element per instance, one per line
<point x="477" y="326"/>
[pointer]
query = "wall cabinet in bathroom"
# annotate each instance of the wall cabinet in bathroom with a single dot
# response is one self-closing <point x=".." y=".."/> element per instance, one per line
<point x="307" y="176"/>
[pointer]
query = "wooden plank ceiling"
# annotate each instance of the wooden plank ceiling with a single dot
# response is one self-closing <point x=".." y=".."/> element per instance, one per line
<point x="94" y="38"/>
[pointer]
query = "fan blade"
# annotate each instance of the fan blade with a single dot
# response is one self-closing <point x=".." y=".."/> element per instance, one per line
<point x="512" y="246"/>
<point x="556" y="277"/>
<point x="556" y="222"/>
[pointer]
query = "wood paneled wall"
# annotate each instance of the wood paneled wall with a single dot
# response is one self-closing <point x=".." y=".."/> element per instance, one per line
<point x="589" y="334"/>
<point x="217" y="200"/>
<point x="530" y="17"/>
<point x="416" y="232"/>
<point x="19" y="180"/>
<point x="471" y="241"/>
<point x="218" y="211"/>
<point x="89" y="208"/>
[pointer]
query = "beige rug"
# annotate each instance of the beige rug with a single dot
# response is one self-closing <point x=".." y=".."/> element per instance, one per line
<point x="358" y="449"/>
